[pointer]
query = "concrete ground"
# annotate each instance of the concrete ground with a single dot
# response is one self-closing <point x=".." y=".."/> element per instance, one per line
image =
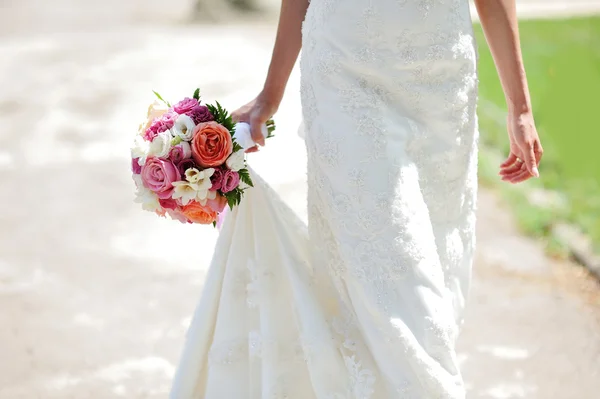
<point x="96" y="295"/>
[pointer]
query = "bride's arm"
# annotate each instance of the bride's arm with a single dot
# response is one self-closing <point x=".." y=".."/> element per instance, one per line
<point x="499" y="21"/>
<point x="287" y="46"/>
<point x="285" y="53"/>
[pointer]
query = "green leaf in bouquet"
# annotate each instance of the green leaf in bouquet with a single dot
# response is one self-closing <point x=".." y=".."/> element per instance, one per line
<point x="197" y="94"/>
<point x="270" y="128"/>
<point x="245" y="177"/>
<point x="222" y="116"/>
<point x="238" y="195"/>
<point x="231" y="199"/>
<point x="160" y="98"/>
<point x="214" y="223"/>
<point x="236" y="147"/>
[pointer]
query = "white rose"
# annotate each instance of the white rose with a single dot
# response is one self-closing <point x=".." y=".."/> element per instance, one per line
<point x="161" y="145"/>
<point x="140" y="149"/>
<point x="236" y="161"/>
<point x="146" y="197"/>
<point x="183" y="128"/>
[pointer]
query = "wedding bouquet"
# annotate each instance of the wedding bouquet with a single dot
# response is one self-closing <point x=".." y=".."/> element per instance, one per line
<point x="188" y="160"/>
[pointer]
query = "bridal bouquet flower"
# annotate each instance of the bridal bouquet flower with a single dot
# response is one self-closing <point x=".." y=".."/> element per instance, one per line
<point x="188" y="162"/>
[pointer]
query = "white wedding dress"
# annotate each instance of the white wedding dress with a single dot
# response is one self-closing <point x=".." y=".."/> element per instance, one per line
<point x="367" y="302"/>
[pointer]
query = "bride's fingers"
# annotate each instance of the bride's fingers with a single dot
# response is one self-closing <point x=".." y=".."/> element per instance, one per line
<point x="512" y="158"/>
<point x="252" y="149"/>
<point x="518" y="177"/>
<point x="521" y="177"/>
<point x="539" y="151"/>
<point x="515" y="167"/>
<point x="518" y="170"/>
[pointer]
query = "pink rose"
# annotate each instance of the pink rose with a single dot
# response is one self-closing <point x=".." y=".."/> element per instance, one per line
<point x="186" y="105"/>
<point x="180" y="152"/>
<point x="200" y="114"/>
<point x="135" y="166"/>
<point x="217" y="179"/>
<point x="184" y="165"/>
<point x="158" y="175"/>
<point x="168" y="203"/>
<point x="217" y="204"/>
<point x="231" y="180"/>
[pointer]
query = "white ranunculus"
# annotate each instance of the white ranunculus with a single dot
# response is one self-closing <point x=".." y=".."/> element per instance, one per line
<point x="183" y="128"/>
<point x="146" y="197"/>
<point x="184" y="191"/>
<point x="236" y="161"/>
<point x="161" y="145"/>
<point x="140" y="149"/>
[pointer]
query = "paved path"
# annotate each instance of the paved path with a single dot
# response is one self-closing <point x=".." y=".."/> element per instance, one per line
<point x="95" y="295"/>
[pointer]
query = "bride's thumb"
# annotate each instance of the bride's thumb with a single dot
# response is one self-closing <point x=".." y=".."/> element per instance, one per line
<point x="531" y="162"/>
<point x="256" y="132"/>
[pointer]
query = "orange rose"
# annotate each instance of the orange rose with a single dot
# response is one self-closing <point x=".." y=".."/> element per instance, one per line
<point x="211" y="145"/>
<point x="199" y="214"/>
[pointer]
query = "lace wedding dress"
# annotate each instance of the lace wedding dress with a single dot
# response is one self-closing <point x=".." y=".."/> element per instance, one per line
<point x="367" y="302"/>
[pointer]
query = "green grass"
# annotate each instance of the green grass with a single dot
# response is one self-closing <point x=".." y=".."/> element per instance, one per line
<point x="562" y="59"/>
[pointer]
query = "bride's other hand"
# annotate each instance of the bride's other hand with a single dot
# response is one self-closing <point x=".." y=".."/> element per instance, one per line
<point x="501" y="27"/>
<point x="256" y="113"/>
<point x="525" y="149"/>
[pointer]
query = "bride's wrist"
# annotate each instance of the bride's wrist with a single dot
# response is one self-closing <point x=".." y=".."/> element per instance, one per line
<point x="272" y="95"/>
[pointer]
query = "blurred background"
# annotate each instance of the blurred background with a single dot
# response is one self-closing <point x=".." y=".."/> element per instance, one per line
<point x="96" y="295"/>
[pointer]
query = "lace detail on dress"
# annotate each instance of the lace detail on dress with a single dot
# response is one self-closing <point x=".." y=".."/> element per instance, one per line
<point x="392" y="177"/>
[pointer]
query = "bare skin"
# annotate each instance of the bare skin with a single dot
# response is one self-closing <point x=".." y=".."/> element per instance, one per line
<point x="499" y="21"/>
<point x="285" y="53"/>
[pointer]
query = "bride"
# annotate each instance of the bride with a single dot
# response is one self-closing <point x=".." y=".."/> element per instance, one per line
<point x="366" y="302"/>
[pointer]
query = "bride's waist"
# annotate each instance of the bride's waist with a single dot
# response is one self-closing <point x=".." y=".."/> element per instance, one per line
<point x="383" y="17"/>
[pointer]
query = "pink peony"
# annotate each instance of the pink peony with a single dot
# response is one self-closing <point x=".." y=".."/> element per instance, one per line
<point x="186" y="105"/>
<point x="231" y="180"/>
<point x="135" y="166"/>
<point x="180" y="152"/>
<point x="217" y="179"/>
<point x="218" y="204"/>
<point x="184" y="165"/>
<point x="158" y="176"/>
<point x="168" y="203"/>
<point x="161" y="124"/>
<point x="200" y="114"/>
